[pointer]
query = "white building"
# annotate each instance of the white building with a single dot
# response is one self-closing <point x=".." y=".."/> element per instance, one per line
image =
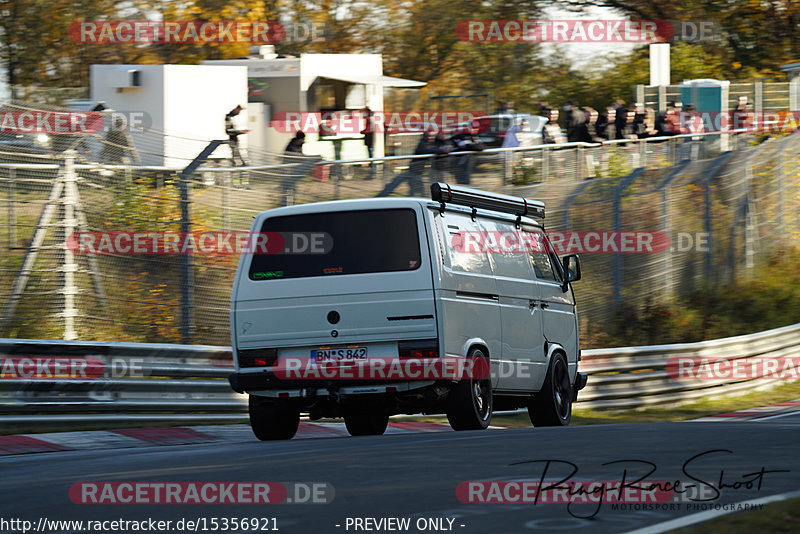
<point x="187" y="102"/>
<point x="313" y="83"/>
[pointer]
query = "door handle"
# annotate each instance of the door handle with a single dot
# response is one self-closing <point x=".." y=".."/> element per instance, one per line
<point x="532" y="303"/>
<point x="545" y="305"/>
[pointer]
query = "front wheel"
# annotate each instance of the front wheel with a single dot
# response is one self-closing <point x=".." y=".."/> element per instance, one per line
<point x="271" y="420"/>
<point x="552" y="406"/>
<point x="469" y="405"/>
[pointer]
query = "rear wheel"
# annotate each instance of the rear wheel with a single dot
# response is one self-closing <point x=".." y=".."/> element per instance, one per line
<point x="271" y="420"/>
<point x="469" y="405"/>
<point x="366" y="423"/>
<point x="552" y="406"/>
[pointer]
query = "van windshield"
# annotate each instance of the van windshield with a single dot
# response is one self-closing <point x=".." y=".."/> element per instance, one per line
<point x="363" y="241"/>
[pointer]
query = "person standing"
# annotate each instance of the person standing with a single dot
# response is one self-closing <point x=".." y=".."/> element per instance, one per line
<point x="233" y="135"/>
<point x="426" y="145"/>
<point x="466" y="141"/>
<point x="301" y="166"/>
<point x="369" y="139"/>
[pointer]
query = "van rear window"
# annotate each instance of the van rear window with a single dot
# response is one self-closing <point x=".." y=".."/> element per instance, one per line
<point x="363" y="241"/>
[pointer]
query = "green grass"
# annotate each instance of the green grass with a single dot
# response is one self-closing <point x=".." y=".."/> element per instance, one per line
<point x="683" y="412"/>
<point x="777" y="517"/>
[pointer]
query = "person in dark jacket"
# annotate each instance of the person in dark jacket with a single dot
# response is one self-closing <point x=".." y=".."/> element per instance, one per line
<point x="233" y="135"/>
<point x="427" y="145"/>
<point x="621" y="122"/>
<point x="369" y="139"/>
<point x="293" y="153"/>
<point x="573" y="120"/>
<point x="466" y="141"/>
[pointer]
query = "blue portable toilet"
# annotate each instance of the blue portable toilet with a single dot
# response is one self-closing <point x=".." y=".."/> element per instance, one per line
<point x="710" y="99"/>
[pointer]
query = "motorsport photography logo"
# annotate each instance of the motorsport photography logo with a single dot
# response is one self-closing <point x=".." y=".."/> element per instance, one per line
<point x="703" y="481"/>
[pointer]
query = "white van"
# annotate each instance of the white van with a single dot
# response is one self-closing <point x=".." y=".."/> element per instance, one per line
<point x="386" y="284"/>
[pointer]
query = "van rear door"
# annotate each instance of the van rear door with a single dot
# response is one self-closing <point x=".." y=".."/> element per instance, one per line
<point x="372" y="284"/>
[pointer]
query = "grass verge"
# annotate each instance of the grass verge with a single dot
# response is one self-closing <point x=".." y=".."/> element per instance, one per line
<point x="776" y="517"/>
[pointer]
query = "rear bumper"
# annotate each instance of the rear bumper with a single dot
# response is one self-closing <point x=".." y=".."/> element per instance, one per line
<point x="265" y="383"/>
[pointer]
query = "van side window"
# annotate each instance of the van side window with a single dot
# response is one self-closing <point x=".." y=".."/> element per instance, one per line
<point x="464" y="244"/>
<point x="542" y="259"/>
<point x="507" y="253"/>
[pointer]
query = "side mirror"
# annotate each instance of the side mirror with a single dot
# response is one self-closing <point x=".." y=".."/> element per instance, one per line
<point x="571" y="267"/>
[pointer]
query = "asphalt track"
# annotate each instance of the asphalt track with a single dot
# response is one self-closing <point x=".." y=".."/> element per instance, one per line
<point x="415" y="475"/>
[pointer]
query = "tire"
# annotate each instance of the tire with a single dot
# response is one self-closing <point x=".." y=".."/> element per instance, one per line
<point x="366" y="423"/>
<point x="552" y="406"/>
<point x="272" y="420"/>
<point x="469" y="405"/>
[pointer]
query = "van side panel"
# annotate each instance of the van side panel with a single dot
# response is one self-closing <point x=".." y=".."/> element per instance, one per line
<point x="522" y="365"/>
<point x="469" y="297"/>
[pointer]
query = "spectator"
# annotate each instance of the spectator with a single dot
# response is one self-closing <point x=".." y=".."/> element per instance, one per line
<point x="606" y="124"/>
<point x="551" y="131"/>
<point x="369" y="139"/>
<point x="573" y="118"/>
<point x="587" y="130"/>
<point x="620" y="120"/>
<point x="118" y="145"/>
<point x="295" y="146"/>
<point x="466" y="141"/>
<point x="742" y="116"/>
<point x="639" y="129"/>
<point x="442" y="163"/>
<point x="665" y="120"/>
<point x="233" y="135"/>
<point x="293" y="153"/>
<point x="426" y="145"/>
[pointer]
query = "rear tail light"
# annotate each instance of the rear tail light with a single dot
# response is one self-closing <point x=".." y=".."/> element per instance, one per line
<point x="426" y="348"/>
<point x="257" y="357"/>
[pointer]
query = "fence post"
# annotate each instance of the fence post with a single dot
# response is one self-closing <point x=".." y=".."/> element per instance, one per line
<point x="758" y="96"/>
<point x="69" y="267"/>
<point x="617" y="229"/>
<point x="708" y="226"/>
<point x="12" y="218"/>
<point x="187" y="265"/>
<point x="780" y="173"/>
<point x="662" y="98"/>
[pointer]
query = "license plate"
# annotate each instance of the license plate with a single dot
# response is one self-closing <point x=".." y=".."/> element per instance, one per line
<point x="339" y="355"/>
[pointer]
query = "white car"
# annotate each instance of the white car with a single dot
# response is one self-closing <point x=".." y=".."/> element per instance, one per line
<point x="368" y="308"/>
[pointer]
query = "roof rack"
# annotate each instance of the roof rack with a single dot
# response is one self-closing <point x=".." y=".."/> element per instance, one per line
<point x="474" y="198"/>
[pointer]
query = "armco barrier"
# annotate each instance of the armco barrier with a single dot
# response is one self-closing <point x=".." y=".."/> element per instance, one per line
<point x="68" y="382"/>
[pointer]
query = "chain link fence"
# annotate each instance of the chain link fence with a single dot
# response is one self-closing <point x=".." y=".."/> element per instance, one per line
<point x="730" y="196"/>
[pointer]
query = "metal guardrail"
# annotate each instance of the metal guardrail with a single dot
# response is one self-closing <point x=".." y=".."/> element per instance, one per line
<point x="67" y="382"/>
